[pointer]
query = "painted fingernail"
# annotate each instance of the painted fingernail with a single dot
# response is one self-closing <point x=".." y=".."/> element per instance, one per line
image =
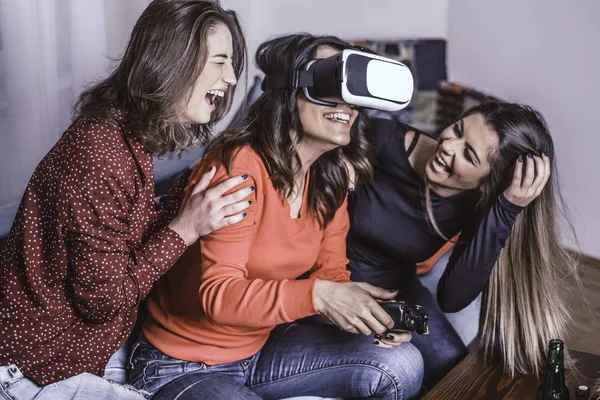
<point x="520" y="158"/>
<point x="544" y="153"/>
<point x="244" y="177"/>
<point x="529" y="155"/>
<point x="252" y="188"/>
<point x="351" y="190"/>
<point x="376" y="342"/>
<point x="244" y="214"/>
<point x="377" y="336"/>
<point x="249" y="202"/>
<point x="389" y="337"/>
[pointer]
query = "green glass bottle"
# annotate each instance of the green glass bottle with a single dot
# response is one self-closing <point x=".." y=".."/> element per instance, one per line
<point x="582" y="393"/>
<point x="553" y="386"/>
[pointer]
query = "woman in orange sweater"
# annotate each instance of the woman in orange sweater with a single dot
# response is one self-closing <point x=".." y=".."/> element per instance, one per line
<point x="222" y="321"/>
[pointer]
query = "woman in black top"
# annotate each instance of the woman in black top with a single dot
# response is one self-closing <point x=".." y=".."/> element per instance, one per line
<point x="487" y="178"/>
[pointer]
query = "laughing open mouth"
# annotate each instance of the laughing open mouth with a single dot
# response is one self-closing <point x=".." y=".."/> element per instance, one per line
<point x="338" y="117"/>
<point x="440" y="165"/>
<point x="213" y="94"/>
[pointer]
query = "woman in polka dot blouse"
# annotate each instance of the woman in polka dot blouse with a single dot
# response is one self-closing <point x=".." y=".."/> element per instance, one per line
<point x="89" y="242"/>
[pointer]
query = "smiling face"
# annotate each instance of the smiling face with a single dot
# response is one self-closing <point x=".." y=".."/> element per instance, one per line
<point x="461" y="158"/>
<point x="325" y="128"/>
<point x="214" y="80"/>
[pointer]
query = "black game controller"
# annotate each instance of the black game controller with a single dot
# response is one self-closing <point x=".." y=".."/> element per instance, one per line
<point x="408" y="317"/>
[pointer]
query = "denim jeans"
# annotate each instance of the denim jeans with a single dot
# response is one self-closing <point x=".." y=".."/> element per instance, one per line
<point x="116" y="367"/>
<point x="297" y="360"/>
<point x="443" y="348"/>
<point x="15" y="386"/>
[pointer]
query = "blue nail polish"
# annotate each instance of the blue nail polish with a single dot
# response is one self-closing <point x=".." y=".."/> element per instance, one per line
<point x="529" y="155"/>
<point x="252" y="188"/>
<point x="249" y="202"/>
<point x="520" y="158"/>
<point x="244" y="177"/>
<point x="244" y="214"/>
<point x="544" y="153"/>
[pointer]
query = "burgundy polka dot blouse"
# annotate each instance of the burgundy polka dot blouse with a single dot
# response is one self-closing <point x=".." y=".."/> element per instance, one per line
<point x="87" y="244"/>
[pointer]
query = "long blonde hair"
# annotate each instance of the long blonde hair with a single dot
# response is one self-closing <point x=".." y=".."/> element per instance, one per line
<point x="524" y="304"/>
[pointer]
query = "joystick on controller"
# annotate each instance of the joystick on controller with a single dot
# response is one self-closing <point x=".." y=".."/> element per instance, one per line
<point x="408" y="317"/>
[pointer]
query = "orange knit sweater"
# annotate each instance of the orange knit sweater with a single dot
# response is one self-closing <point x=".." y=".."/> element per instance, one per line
<point x="223" y="297"/>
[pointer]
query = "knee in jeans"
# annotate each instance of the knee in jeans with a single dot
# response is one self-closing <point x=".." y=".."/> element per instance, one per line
<point x="405" y="365"/>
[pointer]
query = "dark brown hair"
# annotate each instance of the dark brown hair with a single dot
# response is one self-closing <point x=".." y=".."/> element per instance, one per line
<point x="166" y="53"/>
<point x="267" y="125"/>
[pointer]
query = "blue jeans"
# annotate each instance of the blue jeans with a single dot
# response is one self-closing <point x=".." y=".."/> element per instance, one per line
<point x="443" y="348"/>
<point x="16" y="386"/>
<point x="116" y="367"/>
<point x="297" y="360"/>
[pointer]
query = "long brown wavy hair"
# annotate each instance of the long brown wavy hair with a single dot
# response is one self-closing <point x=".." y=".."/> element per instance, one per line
<point x="165" y="55"/>
<point x="266" y="128"/>
<point x="525" y="302"/>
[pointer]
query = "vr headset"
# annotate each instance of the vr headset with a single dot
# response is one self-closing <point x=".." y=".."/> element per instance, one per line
<point x="354" y="77"/>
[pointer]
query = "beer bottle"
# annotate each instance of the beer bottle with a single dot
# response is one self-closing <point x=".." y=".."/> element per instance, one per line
<point x="553" y="386"/>
<point x="582" y="393"/>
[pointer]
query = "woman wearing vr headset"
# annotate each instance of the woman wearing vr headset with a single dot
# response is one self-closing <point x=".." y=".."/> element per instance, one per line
<point x="222" y="323"/>
<point x="488" y="177"/>
<point x="89" y="243"/>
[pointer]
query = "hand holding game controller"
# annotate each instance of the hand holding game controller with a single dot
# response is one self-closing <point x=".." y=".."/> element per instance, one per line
<point x="407" y="317"/>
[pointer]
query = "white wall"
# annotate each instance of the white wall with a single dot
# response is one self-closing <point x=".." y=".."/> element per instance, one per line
<point x="544" y="53"/>
<point x="120" y="17"/>
<point x="349" y="19"/>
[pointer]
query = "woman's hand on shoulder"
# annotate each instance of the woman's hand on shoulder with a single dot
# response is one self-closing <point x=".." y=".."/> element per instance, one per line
<point x="208" y="210"/>
<point x="525" y="187"/>
<point x="353" y="307"/>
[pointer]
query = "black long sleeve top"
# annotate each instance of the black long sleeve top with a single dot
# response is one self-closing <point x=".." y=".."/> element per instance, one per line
<point x="391" y="232"/>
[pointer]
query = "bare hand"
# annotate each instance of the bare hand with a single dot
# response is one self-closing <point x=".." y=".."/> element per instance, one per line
<point x="391" y="338"/>
<point x="208" y="210"/>
<point x="524" y="189"/>
<point x="352" y="306"/>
